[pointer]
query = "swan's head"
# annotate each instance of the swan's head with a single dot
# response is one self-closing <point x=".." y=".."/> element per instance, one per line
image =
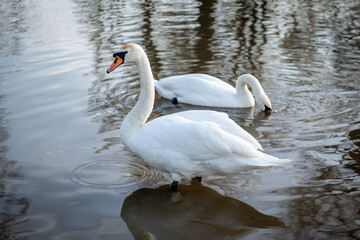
<point x="260" y="96"/>
<point x="265" y="103"/>
<point x="128" y="53"/>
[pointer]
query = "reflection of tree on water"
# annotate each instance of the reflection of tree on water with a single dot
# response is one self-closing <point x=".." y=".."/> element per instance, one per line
<point x="148" y="9"/>
<point x="15" y="13"/>
<point x="195" y="212"/>
<point x="13" y="207"/>
<point x="204" y="32"/>
<point x="250" y="33"/>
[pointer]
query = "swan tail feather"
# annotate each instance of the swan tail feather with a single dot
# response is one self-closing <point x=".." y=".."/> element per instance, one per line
<point x="268" y="160"/>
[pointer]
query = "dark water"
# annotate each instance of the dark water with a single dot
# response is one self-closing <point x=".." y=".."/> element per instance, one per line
<point x="64" y="173"/>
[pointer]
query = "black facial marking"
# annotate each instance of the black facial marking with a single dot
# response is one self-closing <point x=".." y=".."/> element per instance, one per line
<point x="120" y="54"/>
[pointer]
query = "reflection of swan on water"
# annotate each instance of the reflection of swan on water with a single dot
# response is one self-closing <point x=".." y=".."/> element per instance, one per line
<point x="194" y="212"/>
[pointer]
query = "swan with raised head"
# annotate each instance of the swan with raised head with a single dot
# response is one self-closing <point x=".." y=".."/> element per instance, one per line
<point x="185" y="144"/>
<point x="206" y="90"/>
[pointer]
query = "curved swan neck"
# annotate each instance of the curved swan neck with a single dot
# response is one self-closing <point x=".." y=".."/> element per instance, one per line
<point x="137" y="117"/>
<point x="248" y="79"/>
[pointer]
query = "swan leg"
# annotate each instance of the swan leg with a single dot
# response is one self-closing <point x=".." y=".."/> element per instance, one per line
<point x="175" y="197"/>
<point x="196" y="180"/>
<point x="174" y="101"/>
<point x="174" y="186"/>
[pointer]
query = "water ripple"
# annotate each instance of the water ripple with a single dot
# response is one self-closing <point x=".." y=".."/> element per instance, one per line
<point x="114" y="174"/>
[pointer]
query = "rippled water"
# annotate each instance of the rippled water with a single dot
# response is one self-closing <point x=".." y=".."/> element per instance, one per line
<point x="65" y="173"/>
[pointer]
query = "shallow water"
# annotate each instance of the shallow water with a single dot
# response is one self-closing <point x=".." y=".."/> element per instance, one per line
<point x="65" y="173"/>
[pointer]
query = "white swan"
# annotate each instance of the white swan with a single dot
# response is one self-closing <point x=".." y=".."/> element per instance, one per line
<point x="186" y="144"/>
<point x="206" y="90"/>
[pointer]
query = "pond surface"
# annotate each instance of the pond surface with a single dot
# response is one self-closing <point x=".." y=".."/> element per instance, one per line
<point x="65" y="174"/>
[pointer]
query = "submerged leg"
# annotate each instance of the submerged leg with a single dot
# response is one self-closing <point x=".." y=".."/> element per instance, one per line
<point x="196" y="180"/>
<point x="175" y="186"/>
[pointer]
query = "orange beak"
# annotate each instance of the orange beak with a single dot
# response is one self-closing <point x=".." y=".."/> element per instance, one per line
<point x="117" y="62"/>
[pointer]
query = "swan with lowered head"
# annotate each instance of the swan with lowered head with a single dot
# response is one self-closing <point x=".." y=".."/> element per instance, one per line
<point x="185" y="144"/>
<point x="206" y="90"/>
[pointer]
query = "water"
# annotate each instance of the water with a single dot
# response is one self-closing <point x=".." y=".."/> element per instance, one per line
<point x="65" y="173"/>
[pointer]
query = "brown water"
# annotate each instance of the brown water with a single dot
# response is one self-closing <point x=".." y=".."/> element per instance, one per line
<point x="65" y="174"/>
